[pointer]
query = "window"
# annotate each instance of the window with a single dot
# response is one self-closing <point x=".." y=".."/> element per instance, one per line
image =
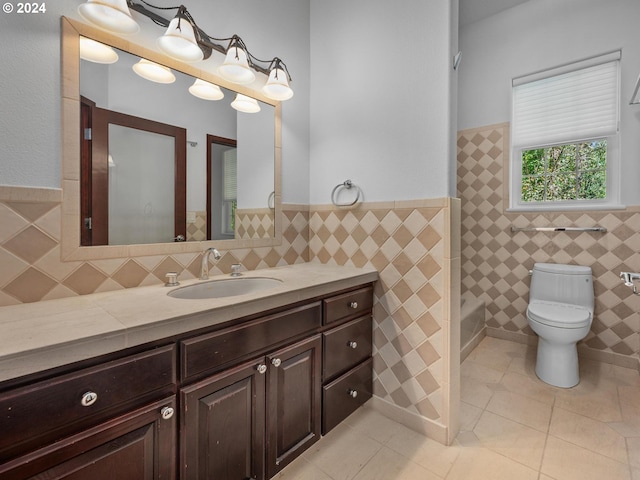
<point x="565" y="137"/>
<point x="229" y="190"/>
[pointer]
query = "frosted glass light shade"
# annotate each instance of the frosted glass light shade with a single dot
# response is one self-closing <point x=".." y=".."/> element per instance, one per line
<point x="96" y="52"/>
<point x="277" y="86"/>
<point x="180" y="43"/>
<point x="206" y="90"/>
<point x="245" y="104"/>
<point x="111" y="15"/>
<point x="236" y="67"/>
<point x="153" y="72"/>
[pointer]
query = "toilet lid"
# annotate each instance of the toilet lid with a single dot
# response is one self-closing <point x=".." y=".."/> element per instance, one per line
<point x="559" y="315"/>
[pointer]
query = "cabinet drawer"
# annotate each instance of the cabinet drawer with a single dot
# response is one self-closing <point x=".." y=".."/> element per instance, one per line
<point x="348" y="305"/>
<point x="338" y="400"/>
<point x="48" y="410"/>
<point x="139" y="444"/>
<point x="346" y="346"/>
<point x="212" y="352"/>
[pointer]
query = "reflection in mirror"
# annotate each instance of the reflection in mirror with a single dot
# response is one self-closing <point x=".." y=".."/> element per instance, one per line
<point x="222" y="193"/>
<point x="133" y="154"/>
<point x="141" y="184"/>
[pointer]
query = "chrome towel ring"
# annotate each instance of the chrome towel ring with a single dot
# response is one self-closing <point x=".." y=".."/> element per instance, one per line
<point x="348" y="184"/>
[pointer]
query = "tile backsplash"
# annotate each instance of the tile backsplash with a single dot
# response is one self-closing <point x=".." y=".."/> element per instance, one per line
<point x="32" y="269"/>
<point x="495" y="261"/>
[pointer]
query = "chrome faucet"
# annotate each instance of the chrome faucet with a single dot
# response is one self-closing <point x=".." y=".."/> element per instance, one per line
<point x="204" y="269"/>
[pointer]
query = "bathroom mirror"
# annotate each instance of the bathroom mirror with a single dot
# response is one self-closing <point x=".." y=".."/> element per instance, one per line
<point x="256" y="166"/>
<point x="146" y="133"/>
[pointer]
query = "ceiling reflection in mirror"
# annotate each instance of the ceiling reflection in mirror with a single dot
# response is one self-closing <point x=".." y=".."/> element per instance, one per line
<point x="153" y="168"/>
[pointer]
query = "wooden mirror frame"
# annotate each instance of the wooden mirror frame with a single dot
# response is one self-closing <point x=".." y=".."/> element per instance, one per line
<point x="70" y="76"/>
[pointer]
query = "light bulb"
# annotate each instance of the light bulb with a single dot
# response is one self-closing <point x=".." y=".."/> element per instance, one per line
<point x="153" y="72"/>
<point x="245" y="104"/>
<point x="206" y="90"/>
<point x="111" y="15"/>
<point x="179" y="41"/>
<point x="236" y="66"/>
<point x="97" y="52"/>
<point x="277" y="86"/>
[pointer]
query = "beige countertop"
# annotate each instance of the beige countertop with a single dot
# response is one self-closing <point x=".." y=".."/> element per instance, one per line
<point x="42" y="335"/>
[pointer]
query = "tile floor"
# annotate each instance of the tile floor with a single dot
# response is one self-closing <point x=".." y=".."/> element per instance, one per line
<point x="513" y="426"/>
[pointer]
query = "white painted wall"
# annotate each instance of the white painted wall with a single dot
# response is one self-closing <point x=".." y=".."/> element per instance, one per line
<point x="30" y="81"/>
<point x="380" y="97"/>
<point x="542" y="34"/>
<point x="380" y="105"/>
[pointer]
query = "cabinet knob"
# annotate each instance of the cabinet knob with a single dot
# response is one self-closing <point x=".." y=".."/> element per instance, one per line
<point x="88" y="399"/>
<point x="167" y="413"/>
<point x="262" y="368"/>
<point x="276" y="362"/>
<point x="352" y="344"/>
<point x="353" y="393"/>
<point x="353" y="304"/>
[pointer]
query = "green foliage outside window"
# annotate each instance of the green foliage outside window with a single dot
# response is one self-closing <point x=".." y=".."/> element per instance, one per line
<point x="232" y="216"/>
<point x="565" y="172"/>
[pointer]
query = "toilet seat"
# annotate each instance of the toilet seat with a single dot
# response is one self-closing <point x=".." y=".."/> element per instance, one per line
<point x="559" y="315"/>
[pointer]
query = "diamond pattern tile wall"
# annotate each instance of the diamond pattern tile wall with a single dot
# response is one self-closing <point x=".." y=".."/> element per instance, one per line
<point x="31" y="269"/>
<point x="254" y="224"/>
<point x="406" y="246"/>
<point x="495" y="261"/>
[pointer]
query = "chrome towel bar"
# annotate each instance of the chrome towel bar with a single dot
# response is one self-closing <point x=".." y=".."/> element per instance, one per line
<point x="559" y="229"/>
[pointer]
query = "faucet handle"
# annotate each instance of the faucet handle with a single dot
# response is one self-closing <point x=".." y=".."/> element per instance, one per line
<point x="172" y="279"/>
<point x="235" y="270"/>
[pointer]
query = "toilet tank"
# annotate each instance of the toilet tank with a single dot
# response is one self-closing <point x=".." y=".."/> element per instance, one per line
<point x="554" y="282"/>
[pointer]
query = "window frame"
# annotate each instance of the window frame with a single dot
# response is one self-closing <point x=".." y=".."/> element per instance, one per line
<point x="612" y="199"/>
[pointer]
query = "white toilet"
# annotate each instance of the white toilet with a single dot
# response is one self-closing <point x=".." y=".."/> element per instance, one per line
<point x="560" y="311"/>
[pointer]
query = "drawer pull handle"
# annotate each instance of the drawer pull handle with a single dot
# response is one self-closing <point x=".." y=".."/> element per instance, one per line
<point x="88" y="399"/>
<point x="167" y="413"/>
<point x="353" y="393"/>
<point x="352" y="344"/>
<point x="276" y="362"/>
<point x="353" y="304"/>
<point x="262" y="368"/>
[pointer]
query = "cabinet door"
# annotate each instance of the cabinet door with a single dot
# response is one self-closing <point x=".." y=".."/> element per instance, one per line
<point x="293" y="402"/>
<point x="222" y="435"/>
<point x="137" y="446"/>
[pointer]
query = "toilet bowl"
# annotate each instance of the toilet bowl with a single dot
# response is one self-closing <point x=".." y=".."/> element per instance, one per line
<point x="560" y="312"/>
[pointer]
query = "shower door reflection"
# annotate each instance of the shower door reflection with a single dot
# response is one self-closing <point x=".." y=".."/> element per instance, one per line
<point x="133" y="179"/>
<point x="141" y="179"/>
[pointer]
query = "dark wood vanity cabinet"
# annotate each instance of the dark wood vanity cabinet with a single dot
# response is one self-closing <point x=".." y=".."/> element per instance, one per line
<point x="347" y="363"/>
<point x="293" y="402"/>
<point x="252" y="420"/>
<point x="222" y="431"/>
<point x="113" y="420"/>
<point x="251" y="397"/>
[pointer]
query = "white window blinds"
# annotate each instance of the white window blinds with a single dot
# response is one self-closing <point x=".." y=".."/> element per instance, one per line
<point x="230" y="175"/>
<point x="567" y="105"/>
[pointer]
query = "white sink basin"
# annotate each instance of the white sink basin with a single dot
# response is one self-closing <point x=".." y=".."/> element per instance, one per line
<point x="229" y="287"/>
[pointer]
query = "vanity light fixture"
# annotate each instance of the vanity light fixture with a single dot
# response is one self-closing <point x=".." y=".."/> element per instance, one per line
<point x="111" y="15"/>
<point x="206" y="90"/>
<point x="245" y="104"/>
<point x="154" y="72"/>
<point x="277" y="86"/>
<point x="236" y="64"/>
<point x="184" y="40"/>
<point x="97" y="52"/>
<point x="179" y="41"/>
